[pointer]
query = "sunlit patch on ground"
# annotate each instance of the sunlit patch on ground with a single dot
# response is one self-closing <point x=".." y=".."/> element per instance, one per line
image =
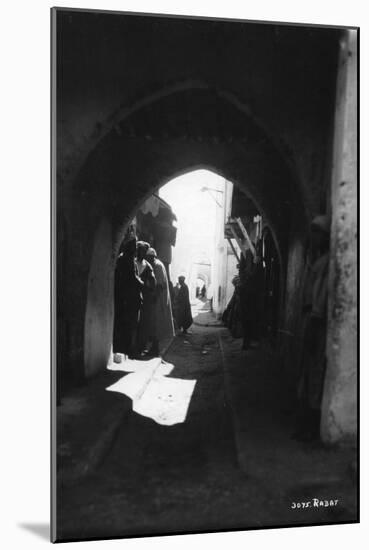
<point x="154" y="395"/>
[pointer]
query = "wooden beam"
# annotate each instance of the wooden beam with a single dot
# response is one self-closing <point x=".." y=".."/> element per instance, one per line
<point x="239" y="242"/>
<point x="233" y="249"/>
<point x="246" y="235"/>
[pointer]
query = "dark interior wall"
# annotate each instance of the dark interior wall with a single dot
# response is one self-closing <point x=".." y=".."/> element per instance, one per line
<point x="136" y="103"/>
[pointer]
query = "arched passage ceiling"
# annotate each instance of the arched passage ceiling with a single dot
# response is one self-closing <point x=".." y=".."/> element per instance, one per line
<point x="285" y="75"/>
<point x="178" y="133"/>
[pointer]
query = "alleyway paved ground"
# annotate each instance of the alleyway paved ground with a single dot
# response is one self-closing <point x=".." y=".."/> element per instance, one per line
<point x="230" y="465"/>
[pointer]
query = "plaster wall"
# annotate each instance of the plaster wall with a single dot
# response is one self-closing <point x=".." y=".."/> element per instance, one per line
<point x="339" y="413"/>
<point x="99" y="310"/>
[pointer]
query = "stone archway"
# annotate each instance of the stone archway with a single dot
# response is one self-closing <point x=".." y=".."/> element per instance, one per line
<point x="178" y="133"/>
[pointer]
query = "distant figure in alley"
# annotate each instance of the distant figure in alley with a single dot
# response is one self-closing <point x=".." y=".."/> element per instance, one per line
<point x="183" y="306"/>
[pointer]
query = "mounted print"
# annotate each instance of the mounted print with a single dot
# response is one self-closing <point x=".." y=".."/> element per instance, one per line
<point x="204" y="210"/>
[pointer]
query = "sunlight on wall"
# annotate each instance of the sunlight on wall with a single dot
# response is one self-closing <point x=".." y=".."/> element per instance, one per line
<point x="196" y="218"/>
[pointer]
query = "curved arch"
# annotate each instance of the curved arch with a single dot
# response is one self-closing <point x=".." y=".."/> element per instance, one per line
<point x="259" y="153"/>
<point x="132" y="106"/>
<point x="147" y="165"/>
<point x="101" y="274"/>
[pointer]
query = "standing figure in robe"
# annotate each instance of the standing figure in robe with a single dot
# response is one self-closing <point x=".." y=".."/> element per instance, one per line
<point x="183" y="306"/>
<point x="161" y="316"/>
<point x="127" y="301"/>
<point x="146" y="273"/>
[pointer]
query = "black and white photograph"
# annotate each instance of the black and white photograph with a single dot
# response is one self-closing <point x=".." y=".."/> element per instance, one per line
<point x="204" y="249"/>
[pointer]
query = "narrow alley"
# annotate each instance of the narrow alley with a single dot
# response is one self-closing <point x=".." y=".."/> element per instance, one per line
<point x="224" y="467"/>
<point x="206" y="266"/>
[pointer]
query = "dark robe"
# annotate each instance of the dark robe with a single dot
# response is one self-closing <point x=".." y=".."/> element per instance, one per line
<point x="183" y="308"/>
<point x="232" y="316"/>
<point x="146" y="318"/>
<point x="313" y="363"/>
<point x="314" y="343"/>
<point x="127" y="304"/>
<point x="251" y="278"/>
<point x="162" y="307"/>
